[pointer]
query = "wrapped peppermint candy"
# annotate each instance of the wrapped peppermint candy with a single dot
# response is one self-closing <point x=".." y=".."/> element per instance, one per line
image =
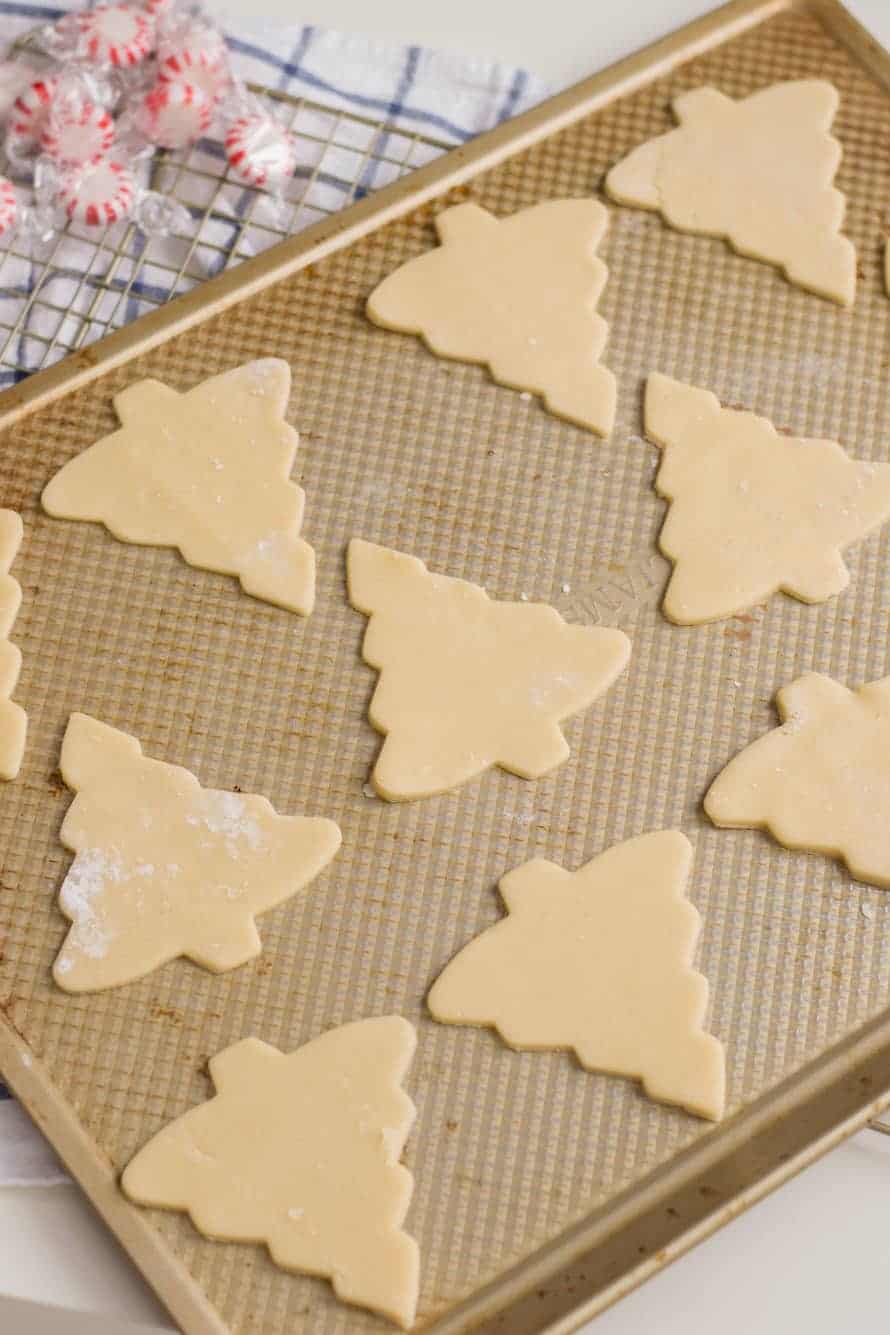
<point x="107" y="192"/>
<point x="259" y="150"/>
<point x="78" y="132"/>
<point x="29" y="119"/>
<point x="107" y="37"/>
<point x="174" y="114"/>
<point x="194" y="52"/>
<point x="99" y="193"/>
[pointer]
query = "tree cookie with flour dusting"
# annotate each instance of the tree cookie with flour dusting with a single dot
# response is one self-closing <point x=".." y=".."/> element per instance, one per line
<point x="757" y="172"/>
<point x="207" y="472"/>
<point x="466" y="682"/>
<point x="517" y="295"/>
<point x="164" y="867"/>
<point x="753" y="512"/>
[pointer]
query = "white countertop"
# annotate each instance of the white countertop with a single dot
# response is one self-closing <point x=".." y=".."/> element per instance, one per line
<point x="812" y="1257"/>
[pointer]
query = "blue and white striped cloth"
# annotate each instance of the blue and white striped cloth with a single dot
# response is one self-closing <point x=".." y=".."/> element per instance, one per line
<point x="444" y="95"/>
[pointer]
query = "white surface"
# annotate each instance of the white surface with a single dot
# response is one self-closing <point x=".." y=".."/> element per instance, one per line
<point x="561" y="40"/>
<point x="815" y="1256"/>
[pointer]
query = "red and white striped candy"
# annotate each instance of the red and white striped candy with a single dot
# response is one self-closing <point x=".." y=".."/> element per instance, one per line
<point x="15" y="77"/>
<point x="80" y="135"/>
<point x="9" y="205"/>
<point x="115" y="35"/>
<point x="260" y="150"/>
<point x="205" y="67"/>
<point x="101" y="194"/>
<point x="174" y="115"/>
<point x="30" y="115"/>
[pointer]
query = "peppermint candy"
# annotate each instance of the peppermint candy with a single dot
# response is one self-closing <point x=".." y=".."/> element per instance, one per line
<point x="174" y="115"/>
<point x="198" y="63"/>
<point x="260" y="150"/>
<point x="101" y="194"/>
<point x="114" y="35"/>
<point x="79" y="135"/>
<point x="30" y="116"/>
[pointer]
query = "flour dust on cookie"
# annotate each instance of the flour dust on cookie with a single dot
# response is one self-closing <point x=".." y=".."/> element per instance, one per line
<point x="517" y="295"/>
<point x="207" y="472"/>
<point x="753" y="512"/>
<point x="164" y="867"/>
<point x="467" y="682"/>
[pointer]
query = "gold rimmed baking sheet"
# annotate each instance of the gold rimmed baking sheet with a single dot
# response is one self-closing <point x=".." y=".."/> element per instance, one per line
<point x="542" y="1191"/>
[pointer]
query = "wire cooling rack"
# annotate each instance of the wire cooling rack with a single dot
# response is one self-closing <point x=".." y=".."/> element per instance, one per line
<point x="87" y="281"/>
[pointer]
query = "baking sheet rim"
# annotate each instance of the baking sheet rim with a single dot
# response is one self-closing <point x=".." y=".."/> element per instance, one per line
<point x="828" y="1082"/>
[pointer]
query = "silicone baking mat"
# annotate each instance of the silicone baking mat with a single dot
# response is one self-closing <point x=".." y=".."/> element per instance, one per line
<point x="430" y="457"/>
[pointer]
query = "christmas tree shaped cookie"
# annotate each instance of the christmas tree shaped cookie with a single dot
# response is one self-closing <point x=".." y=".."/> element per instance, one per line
<point x="599" y="961"/>
<point x="466" y="682"/>
<point x="517" y="295"/>
<point x="301" y="1151"/>
<point x="822" y="780"/>
<point x="757" y="172"/>
<point x="753" y="512"/>
<point x="207" y="472"/>
<point x="13" y="722"/>
<point x="164" y="867"/>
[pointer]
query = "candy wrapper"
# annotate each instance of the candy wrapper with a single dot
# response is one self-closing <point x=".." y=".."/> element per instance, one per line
<point x="259" y="150"/>
<point x="106" y="37"/>
<point x="118" y="83"/>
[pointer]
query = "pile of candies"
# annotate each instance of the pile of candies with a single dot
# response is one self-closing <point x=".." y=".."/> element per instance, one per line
<point x="115" y="83"/>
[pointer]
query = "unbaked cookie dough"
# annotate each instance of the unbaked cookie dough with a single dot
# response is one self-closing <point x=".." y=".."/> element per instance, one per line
<point x="301" y="1151"/>
<point x="164" y="867"/>
<point x="13" y="721"/>
<point x="207" y="472"/>
<point x="752" y="512"/>
<point x="599" y="961"/>
<point x="757" y="172"/>
<point x="467" y="682"/>
<point x="517" y="295"/>
<point x="822" y="780"/>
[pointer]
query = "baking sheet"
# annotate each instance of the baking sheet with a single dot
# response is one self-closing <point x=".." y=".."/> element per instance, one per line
<point x="521" y="1160"/>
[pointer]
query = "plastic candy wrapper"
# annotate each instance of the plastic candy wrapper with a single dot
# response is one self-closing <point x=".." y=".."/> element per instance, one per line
<point x="97" y="194"/>
<point x="9" y="205"/>
<point x="15" y="77"/>
<point x="117" y="83"/>
<point x="108" y="36"/>
<point x="259" y="150"/>
<point x="174" y="115"/>
<point x="195" y="52"/>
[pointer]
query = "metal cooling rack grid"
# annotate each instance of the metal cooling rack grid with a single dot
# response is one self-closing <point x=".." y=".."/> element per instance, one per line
<point x="88" y="281"/>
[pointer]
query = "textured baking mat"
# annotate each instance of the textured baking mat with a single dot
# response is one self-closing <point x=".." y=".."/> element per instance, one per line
<point x="432" y="458"/>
